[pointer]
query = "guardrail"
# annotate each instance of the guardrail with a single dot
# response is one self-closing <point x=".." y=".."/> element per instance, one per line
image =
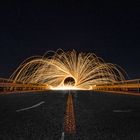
<point x="10" y="87"/>
<point x="124" y="87"/>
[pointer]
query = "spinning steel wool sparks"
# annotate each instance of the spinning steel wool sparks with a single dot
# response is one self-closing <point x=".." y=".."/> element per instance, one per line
<point x="67" y="70"/>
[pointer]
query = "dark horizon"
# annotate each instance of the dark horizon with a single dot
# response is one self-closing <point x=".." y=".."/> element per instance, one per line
<point x="110" y="30"/>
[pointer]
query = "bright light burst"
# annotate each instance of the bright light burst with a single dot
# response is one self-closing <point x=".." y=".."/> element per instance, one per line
<point x="67" y="70"/>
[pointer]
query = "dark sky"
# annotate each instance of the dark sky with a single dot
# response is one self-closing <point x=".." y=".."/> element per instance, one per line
<point x="110" y="30"/>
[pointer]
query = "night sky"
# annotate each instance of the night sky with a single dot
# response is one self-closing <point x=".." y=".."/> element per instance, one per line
<point x="110" y="30"/>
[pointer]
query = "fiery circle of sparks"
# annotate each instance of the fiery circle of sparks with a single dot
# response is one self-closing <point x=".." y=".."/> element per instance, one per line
<point x="67" y="70"/>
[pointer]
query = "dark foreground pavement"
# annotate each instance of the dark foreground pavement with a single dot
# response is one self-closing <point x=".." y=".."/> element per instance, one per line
<point x="99" y="116"/>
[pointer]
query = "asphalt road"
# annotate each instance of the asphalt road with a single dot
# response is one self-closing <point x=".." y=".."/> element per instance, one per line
<point x="40" y="116"/>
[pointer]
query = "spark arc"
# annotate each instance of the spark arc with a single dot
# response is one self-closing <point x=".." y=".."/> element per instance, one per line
<point x="67" y="70"/>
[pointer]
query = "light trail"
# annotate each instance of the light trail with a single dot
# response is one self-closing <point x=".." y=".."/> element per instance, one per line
<point x="67" y="70"/>
<point x="27" y="108"/>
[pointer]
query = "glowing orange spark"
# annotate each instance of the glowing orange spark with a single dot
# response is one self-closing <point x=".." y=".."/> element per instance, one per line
<point x="67" y="70"/>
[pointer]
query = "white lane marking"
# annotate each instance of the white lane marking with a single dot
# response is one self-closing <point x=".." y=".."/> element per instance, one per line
<point x="27" y="108"/>
<point x="125" y="111"/>
<point x="63" y="135"/>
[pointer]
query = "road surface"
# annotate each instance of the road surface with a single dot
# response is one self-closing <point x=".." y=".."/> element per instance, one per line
<point x="98" y="116"/>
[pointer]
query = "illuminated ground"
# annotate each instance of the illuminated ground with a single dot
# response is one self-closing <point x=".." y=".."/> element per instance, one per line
<point x="98" y="116"/>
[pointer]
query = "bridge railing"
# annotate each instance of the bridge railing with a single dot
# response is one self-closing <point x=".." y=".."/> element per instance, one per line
<point x="8" y="86"/>
<point x="128" y="87"/>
